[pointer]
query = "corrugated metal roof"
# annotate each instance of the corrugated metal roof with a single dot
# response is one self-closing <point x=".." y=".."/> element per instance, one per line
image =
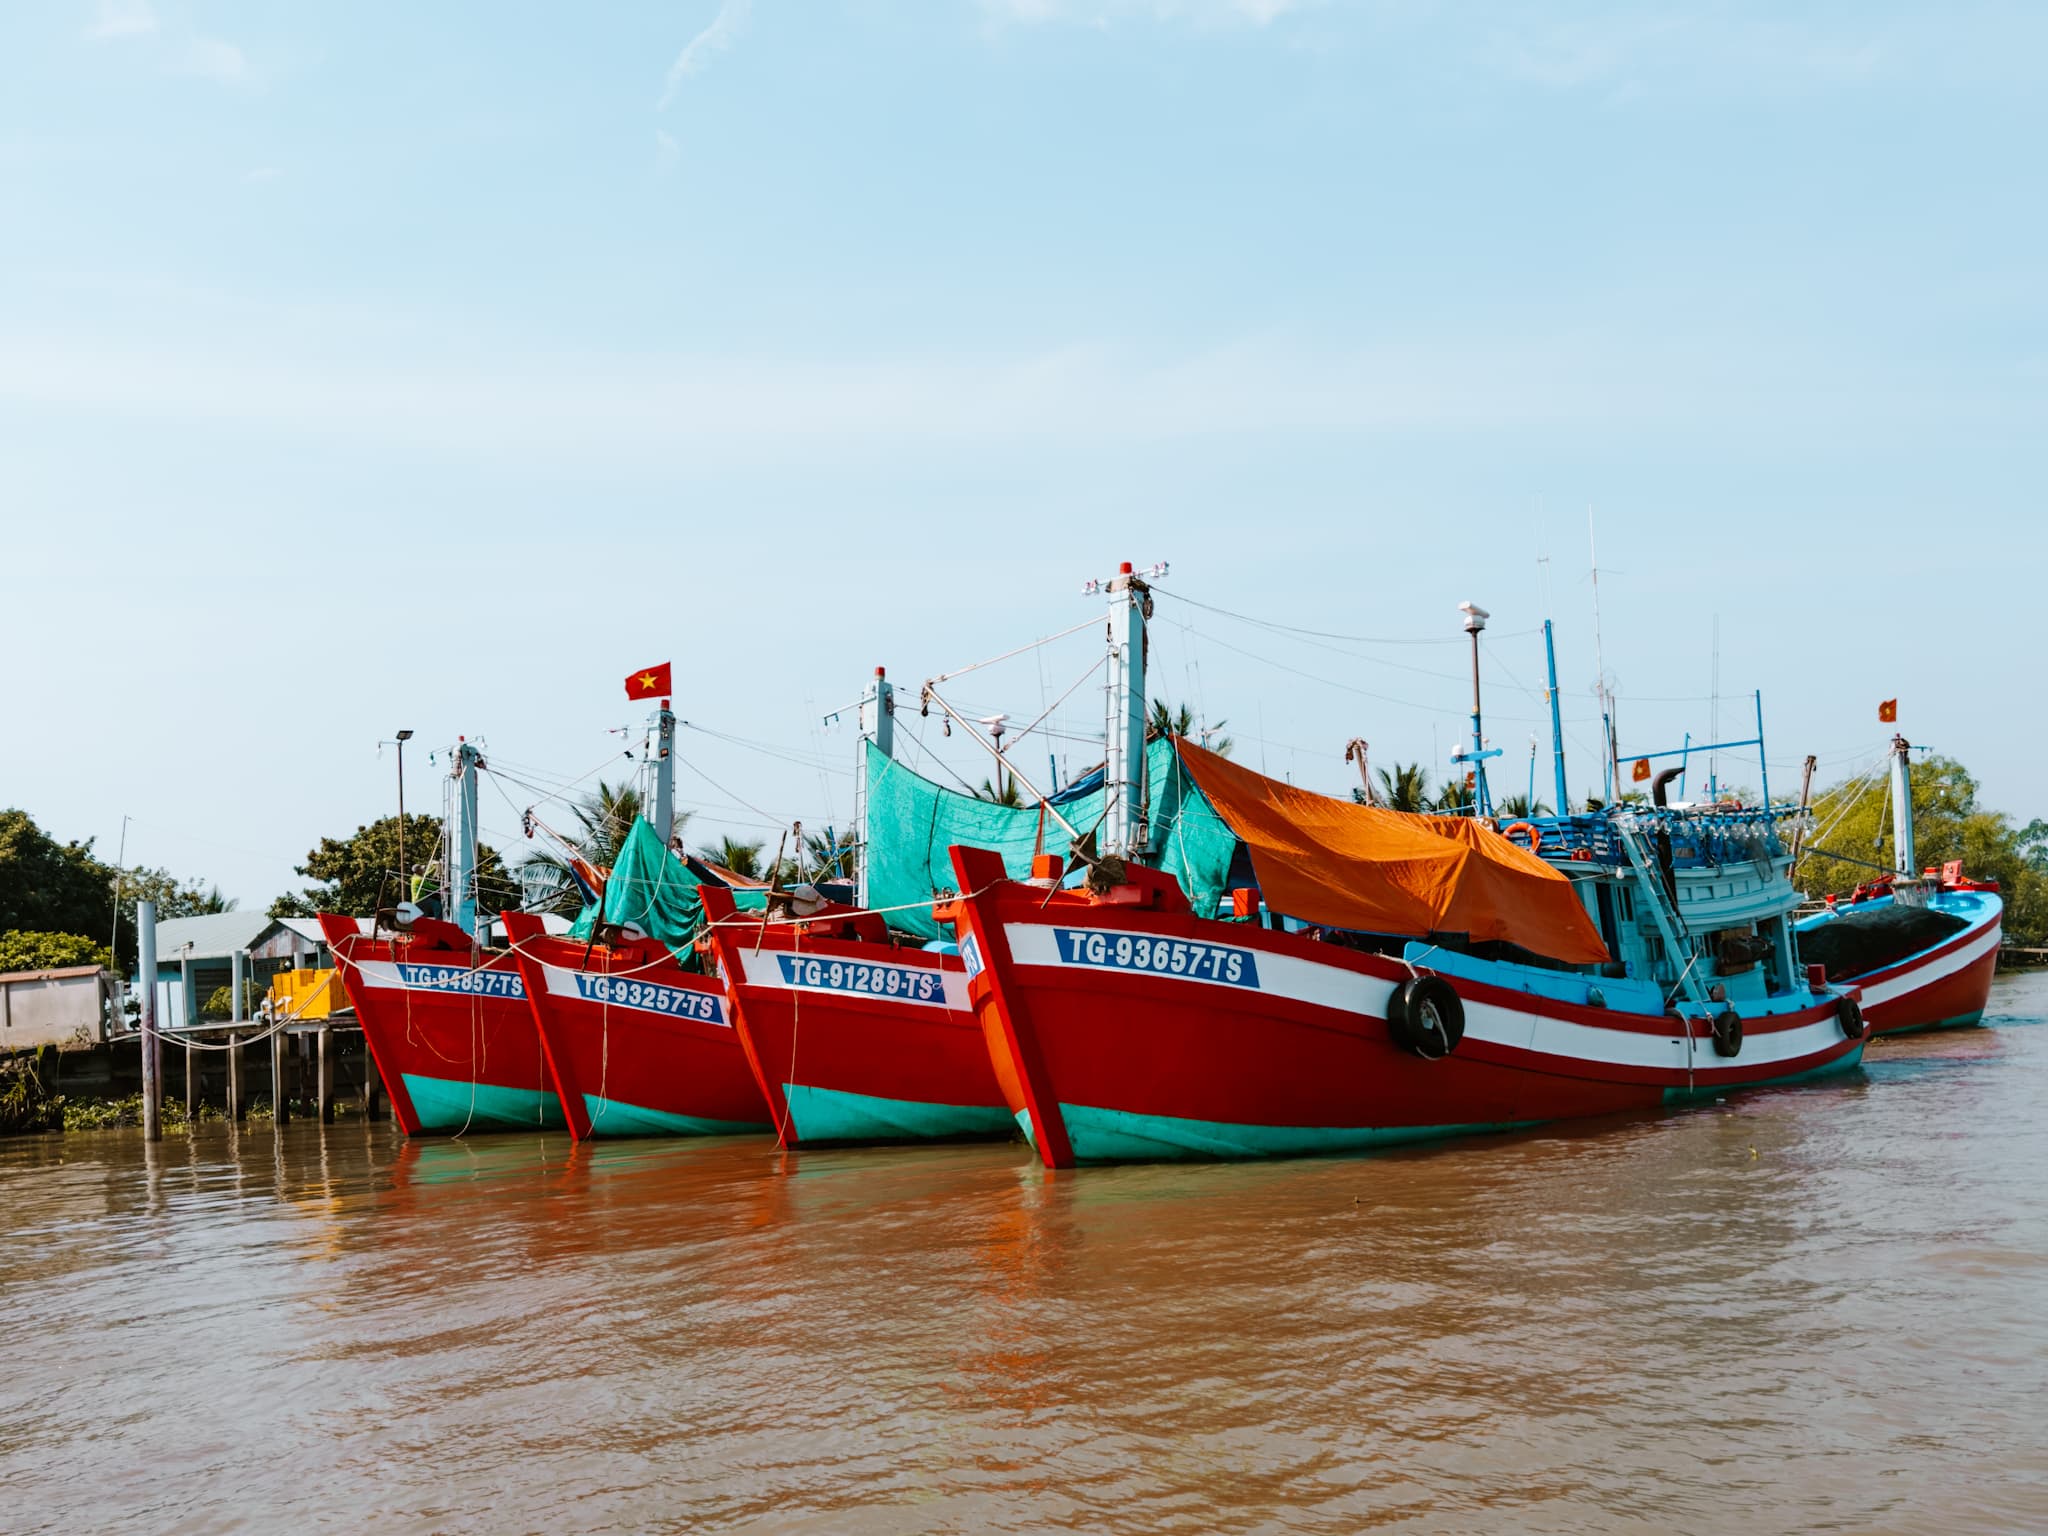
<point x="214" y="936"/>
<point x="55" y="973"/>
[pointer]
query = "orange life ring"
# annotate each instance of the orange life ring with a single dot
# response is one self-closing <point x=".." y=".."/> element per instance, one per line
<point x="1535" y="837"/>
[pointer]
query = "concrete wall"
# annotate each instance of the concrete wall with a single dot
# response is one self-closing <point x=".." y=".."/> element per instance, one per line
<point x="53" y="1010"/>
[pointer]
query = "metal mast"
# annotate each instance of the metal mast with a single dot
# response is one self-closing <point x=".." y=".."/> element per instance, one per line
<point x="1902" y="808"/>
<point x="1130" y="603"/>
<point x="1556" y="723"/>
<point x="462" y="837"/>
<point x="876" y="723"/>
<point x="662" y="815"/>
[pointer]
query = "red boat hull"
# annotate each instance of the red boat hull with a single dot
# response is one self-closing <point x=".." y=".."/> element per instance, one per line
<point x="448" y="1027"/>
<point x="635" y="1045"/>
<point x="855" y="1039"/>
<point x="1946" y="985"/>
<point x="1247" y="1042"/>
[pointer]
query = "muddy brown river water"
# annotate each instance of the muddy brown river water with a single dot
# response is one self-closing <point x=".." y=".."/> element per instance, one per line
<point x="1817" y="1309"/>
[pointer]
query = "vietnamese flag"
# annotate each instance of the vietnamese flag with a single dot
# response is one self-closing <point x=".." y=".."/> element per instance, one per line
<point x="649" y="683"/>
<point x="1642" y="770"/>
<point x="1888" y="711"/>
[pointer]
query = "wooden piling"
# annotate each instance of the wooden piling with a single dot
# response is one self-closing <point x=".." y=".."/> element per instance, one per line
<point x="373" y="1086"/>
<point x="236" y="1088"/>
<point x="280" y="1085"/>
<point x="191" y="1086"/>
<point x="326" y="1075"/>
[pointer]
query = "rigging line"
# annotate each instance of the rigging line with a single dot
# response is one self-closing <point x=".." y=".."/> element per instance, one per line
<point x="1339" y="650"/>
<point x="794" y="755"/>
<point x="1094" y="667"/>
<point x="1322" y="634"/>
<point x="1088" y="623"/>
<point x="737" y="799"/>
<point x="916" y="738"/>
<point x="1367" y="693"/>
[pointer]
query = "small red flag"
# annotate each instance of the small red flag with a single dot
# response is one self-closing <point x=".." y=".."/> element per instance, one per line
<point x="1641" y="770"/>
<point x="1888" y="711"/>
<point x="649" y="683"/>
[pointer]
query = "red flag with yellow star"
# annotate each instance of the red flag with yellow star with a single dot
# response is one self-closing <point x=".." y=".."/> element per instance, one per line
<point x="649" y="683"/>
<point x="1888" y="711"/>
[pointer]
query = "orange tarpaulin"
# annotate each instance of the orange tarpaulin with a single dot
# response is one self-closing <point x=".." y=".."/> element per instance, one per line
<point x="1356" y="866"/>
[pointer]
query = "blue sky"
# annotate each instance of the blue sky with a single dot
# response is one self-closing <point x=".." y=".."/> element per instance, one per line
<point x="366" y="366"/>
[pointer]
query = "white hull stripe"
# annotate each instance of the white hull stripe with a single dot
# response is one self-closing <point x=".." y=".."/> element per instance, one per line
<point x="659" y="998"/>
<point x="455" y="980"/>
<point x="1931" y="971"/>
<point x="923" y="986"/>
<point x="1328" y="986"/>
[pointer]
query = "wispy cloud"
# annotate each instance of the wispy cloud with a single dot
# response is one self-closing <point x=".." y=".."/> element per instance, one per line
<point x="1102" y="13"/>
<point x="176" y="48"/>
<point x="211" y="59"/>
<point x="116" y="20"/>
<point x="667" y="153"/>
<point x="697" y="52"/>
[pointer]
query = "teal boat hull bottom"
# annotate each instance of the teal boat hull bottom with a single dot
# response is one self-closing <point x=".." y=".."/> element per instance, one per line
<point x="1848" y="1061"/>
<point x="615" y="1117"/>
<point x="830" y="1114"/>
<point x="446" y="1104"/>
<point x="1120" y="1136"/>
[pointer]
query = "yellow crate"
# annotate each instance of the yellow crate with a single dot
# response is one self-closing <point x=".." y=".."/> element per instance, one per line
<point x="306" y="994"/>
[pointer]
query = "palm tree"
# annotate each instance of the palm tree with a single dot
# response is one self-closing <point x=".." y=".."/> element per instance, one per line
<point x="1455" y="797"/>
<point x="741" y="858"/>
<point x="1165" y="720"/>
<point x="1009" y="794"/>
<point x="1518" y="807"/>
<point x="831" y="858"/>
<point x="1405" y="788"/>
<point x="605" y="816"/>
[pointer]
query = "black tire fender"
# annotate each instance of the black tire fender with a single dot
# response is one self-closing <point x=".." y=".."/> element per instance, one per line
<point x="1850" y="1012"/>
<point x="1728" y="1033"/>
<point x="1426" y="1017"/>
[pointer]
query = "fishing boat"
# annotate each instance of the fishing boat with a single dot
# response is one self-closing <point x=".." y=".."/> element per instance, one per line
<point x="635" y="1044"/>
<point x="448" y="1026"/>
<point x="1921" y="947"/>
<point x="1385" y="978"/>
<point x="853" y="1034"/>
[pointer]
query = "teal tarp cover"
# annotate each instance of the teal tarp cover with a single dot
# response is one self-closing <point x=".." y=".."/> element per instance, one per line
<point x="655" y="891"/>
<point x="911" y="822"/>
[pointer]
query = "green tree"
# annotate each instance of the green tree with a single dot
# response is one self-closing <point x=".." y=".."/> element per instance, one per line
<point x="742" y="858"/>
<point x="51" y="887"/>
<point x="355" y="874"/>
<point x="1949" y="823"/>
<point x="603" y="817"/>
<point x="1515" y="807"/>
<point x="1009" y="794"/>
<point x="1403" y="788"/>
<point x="1167" y="720"/>
<point x="22" y="950"/>
<point x="220" y="1003"/>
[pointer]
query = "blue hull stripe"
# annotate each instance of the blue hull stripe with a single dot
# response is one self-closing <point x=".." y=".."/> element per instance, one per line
<point x="446" y="1104"/>
<point x="828" y="1114"/>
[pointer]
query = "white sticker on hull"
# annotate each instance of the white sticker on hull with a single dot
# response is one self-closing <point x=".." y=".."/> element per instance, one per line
<point x="408" y="976"/>
<point x="880" y="980"/>
<point x="644" y="996"/>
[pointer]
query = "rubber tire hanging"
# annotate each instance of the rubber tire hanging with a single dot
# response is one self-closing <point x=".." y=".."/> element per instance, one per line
<point x="1850" y="1012"/>
<point x="1728" y="1033"/>
<point x="1426" y="1017"/>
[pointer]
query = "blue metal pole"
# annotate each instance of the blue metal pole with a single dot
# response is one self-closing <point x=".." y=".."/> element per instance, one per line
<point x="1684" y="760"/>
<point x="1556" y="723"/>
<point x="1763" y="768"/>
